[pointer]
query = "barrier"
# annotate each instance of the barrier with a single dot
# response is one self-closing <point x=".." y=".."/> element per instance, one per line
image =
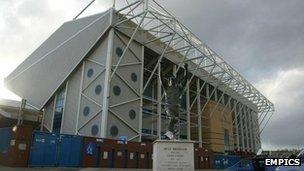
<point x="225" y="161"/>
<point x="5" y="134"/>
<point x="49" y="150"/>
<point x="202" y="158"/>
<point x="91" y="152"/>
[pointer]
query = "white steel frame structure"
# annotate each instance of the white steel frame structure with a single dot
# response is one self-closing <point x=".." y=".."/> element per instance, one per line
<point x="244" y="100"/>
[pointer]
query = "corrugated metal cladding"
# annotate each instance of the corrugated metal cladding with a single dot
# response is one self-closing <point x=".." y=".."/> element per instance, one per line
<point x="110" y="153"/>
<point x="55" y="150"/>
<point x="15" y="143"/>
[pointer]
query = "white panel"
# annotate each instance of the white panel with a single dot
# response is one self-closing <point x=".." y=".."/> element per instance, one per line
<point x="95" y="63"/>
<point x="100" y="54"/>
<point x="48" y="115"/>
<point x="70" y="111"/>
<point x="93" y="109"/>
<point x="37" y="82"/>
<point x="126" y="94"/>
<point x="127" y="72"/>
<point x="126" y="112"/>
<point x="87" y="129"/>
<point x="129" y="56"/>
<point x="123" y="130"/>
<point x="91" y="81"/>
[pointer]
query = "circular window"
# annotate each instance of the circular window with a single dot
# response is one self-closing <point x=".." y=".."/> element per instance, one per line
<point x="116" y="90"/>
<point x="90" y="72"/>
<point x="94" y="130"/>
<point x="119" y="51"/>
<point x="86" y="111"/>
<point x="114" y="131"/>
<point x="132" y="114"/>
<point x="98" y="89"/>
<point x="134" y="77"/>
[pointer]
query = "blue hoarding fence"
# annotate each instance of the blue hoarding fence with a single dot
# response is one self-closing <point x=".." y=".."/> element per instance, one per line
<point x="242" y="165"/>
<point x="225" y="161"/>
<point x="50" y="150"/>
<point x="5" y="138"/>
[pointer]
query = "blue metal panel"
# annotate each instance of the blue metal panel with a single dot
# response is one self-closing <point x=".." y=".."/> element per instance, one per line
<point x="69" y="151"/>
<point x="55" y="150"/>
<point x="44" y="149"/>
<point x="242" y="165"/>
<point x="217" y="161"/>
<point x="5" y="138"/>
<point x="233" y="160"/>
<point x="225" y="161"/>
<point x="51" y="148"/>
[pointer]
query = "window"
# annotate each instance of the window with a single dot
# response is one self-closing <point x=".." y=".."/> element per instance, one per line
<point x="114" y="131"/>
<point x="119" y="51"/>
<point x="86" y="111"/>
<point x="116" y="90"/>
<point x="90" y="72"/>
<point x="59" y="106"/>
<point x="132" y="114"/>
<point x="94" y="130"/>
<point x="98" y="89"/>
<point x="134" y="77"/>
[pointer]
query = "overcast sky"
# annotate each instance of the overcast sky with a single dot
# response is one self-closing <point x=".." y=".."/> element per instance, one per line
<point x="262" y="39"/>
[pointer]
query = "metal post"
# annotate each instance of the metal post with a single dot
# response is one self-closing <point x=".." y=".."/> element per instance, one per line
<point x="159" y="97"/>
<point x="20" y="115"/>
<point x="188" y="111"/>
<point x="251" y="131"/>
<point x="235" y="125"/>
<point x="215" y="94"/>
<point x="114" y="4"/>
<point x="104" y="120"/>
<point x="200" y="138"/>
<point x="246" y="126"/>
<point x="241" y="123"/>
<point x="42" y="120"/>
<point x="141" y="93"/>
<point x="207" y="91"/>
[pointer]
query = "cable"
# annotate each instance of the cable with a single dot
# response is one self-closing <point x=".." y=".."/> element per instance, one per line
<point x="83" y="10"/>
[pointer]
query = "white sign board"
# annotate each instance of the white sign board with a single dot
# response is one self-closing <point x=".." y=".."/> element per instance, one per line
<point x="173" y="156"/>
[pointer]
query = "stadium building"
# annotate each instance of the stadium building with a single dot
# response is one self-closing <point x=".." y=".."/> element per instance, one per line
<point x="100" y="76"/>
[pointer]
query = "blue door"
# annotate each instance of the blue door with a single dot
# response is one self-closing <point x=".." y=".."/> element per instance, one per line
<point x="5" y="135"/>
<point x="43" y="149"/>
<point x="55" y="150"/>
<point x="69" y="151"/>
<point x="50" y="151"/>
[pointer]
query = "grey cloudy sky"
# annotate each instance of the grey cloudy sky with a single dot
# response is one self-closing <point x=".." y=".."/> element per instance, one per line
<point x="262" y="39"/>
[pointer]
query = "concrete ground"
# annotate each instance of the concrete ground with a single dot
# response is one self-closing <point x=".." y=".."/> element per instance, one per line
<point x="3" y="168"/>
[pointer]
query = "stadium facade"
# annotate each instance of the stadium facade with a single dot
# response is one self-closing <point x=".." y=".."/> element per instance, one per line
<point x="100" y="76"/>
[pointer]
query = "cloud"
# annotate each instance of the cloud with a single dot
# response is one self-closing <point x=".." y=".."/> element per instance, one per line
<point x="285" y="90"/>
<point x="264" y="41"/>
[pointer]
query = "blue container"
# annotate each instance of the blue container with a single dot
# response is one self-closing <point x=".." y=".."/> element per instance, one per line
<point x="225" y="161"/>
<point x="43" y="150"/>
<point x="5" y="138"/>
<point x="50" y="150"/>
<point x="242" y="165"/>
<point x="69" y="151"/>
